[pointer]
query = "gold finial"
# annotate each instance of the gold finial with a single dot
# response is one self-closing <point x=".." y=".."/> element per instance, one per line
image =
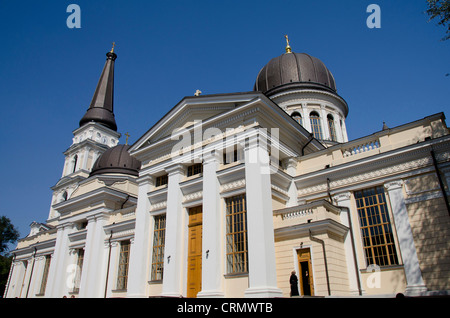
<point x="113" y="45"/>
<point x="288" y="47"/>
<point x="126" y="140"/>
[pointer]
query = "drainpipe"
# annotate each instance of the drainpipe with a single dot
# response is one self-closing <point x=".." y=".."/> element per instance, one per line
<point x="315" y="239"/>
<point x="109" y="261"/>
<point x="441" y="184"/>
<point x="31" y="274"/>
<point x="311" y="137"/>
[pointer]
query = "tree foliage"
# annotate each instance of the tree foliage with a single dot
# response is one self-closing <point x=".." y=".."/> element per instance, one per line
<point x="440" y="9"/>
<point x="8" y="234"/>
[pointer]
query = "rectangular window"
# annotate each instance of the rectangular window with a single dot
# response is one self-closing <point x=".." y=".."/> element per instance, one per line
<point x="159" y="235"/>
<point x="161" y="180"/>
<point x="376" y="230"/>
<point x="194" y="169"/>
<point x="48" y="258"/>
<point x="236" y="239"/>
<point x="230" y="156"/>
<point x="124" y="257"/>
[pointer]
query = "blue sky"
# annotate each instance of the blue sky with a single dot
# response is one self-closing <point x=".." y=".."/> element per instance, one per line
<point x="168" y="49"/>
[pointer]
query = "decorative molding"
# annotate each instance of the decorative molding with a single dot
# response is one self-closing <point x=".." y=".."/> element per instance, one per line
<point x="232" y="185"/>
<point x="393" y="185"/>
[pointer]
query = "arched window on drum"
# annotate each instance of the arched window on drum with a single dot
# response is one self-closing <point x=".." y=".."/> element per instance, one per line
<point x="297" y="117"/>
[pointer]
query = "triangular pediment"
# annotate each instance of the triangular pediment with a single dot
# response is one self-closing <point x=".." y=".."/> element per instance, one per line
<point x="221" y="112"/>
<point x="189" y="110"/>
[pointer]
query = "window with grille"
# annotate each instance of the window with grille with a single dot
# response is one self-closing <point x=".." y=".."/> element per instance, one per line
<point x="236" y="239"/>
<point x="331" y="128"/>
<point x="161" y="180"/>
<point x="48" y="258"/>
<point x="316" y="128"/>
<point x="194" y="169"/>
<point x="376" y="230"/>
<point x="159" y="235"/>
<point x="124" y="257"/>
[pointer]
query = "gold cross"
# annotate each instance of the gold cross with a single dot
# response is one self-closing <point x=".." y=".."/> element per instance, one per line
<point x="126" y="141"/>
<point x="288" y="47"/>
<point x="113" y="45"/>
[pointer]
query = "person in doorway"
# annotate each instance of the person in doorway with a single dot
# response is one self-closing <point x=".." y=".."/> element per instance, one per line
<point x="293" y="280"/>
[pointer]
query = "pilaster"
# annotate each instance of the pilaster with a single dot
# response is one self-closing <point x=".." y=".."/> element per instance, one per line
<point x="414" y="282"/>
<point x="343" y="200"/>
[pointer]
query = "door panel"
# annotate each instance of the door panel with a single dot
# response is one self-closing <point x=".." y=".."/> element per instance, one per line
<point x="194" y="275"/>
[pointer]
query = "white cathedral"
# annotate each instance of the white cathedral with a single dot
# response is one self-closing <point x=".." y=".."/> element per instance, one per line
<point x="228" y="194"/>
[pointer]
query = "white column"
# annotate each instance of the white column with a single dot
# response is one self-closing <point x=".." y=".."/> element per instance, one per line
<point x="414" y="282"/>
<point x="291" y="169"/>
<point x="260" y="231"/>
<point x="343" y="200"/>
<point x="93" y="275"/>
<point x="15" y="281"/>
<point x="324" y="120"/>
<point x="306" y="120"/>
<point x="173" y="251"/>
<point x="113" y="267"/>
<point x="212" y="258"/>
<point x="140" y="250"/>
<point x="58" y="275"/>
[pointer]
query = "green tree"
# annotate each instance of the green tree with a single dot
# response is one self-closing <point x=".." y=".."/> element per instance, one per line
<point x="440" y="9"/>
<point x="8" y="235"/>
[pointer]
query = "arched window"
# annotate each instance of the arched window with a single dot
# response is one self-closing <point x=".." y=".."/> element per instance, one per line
<point x="316" y="128"/>
<point x="331" y="128"/>
<point x="297" y="117"/>
<point x="74" y="162"/>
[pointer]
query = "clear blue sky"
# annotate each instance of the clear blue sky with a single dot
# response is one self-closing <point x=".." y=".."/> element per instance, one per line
<point x="168" y="49"/>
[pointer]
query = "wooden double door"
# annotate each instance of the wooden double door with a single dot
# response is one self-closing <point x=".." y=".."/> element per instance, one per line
<point x="194" y="261"/>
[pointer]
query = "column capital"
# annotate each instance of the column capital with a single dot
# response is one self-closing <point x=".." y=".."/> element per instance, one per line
<point x="145" y="180"/>
<point x="212" y="156"/>
<point x="175" y="169"/>
<point x="393" y="185"/>
<point x="344" y="196"/>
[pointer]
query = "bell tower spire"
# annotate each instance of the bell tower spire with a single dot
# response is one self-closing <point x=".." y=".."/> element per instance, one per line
<point x="101" y="109"/>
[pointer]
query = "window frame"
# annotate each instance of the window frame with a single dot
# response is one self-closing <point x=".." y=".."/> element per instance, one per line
<point x="236" y="235"/>
<point x="316" y="125"/>
<point x="159" y="236"/>
<point x="378" y="237"/>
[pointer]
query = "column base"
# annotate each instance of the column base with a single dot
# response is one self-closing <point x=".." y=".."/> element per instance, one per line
<point x="211" y="294"/>
<point x="263" y="292"/>
<point x="415" y="290"/>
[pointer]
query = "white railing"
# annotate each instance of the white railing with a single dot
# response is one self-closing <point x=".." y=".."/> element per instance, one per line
<point x="296" y="214"/>
<point x="360" y="148"/>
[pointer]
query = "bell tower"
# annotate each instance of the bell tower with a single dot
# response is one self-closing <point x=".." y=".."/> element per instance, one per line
<point x="96" y="134"/>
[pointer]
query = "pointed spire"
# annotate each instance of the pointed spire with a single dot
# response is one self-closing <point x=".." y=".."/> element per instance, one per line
<point x="101" y="109"/>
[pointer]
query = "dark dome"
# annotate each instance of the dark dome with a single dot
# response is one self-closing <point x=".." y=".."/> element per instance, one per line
<point x="294" y="70"/>
<point x="117" y="160"/>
